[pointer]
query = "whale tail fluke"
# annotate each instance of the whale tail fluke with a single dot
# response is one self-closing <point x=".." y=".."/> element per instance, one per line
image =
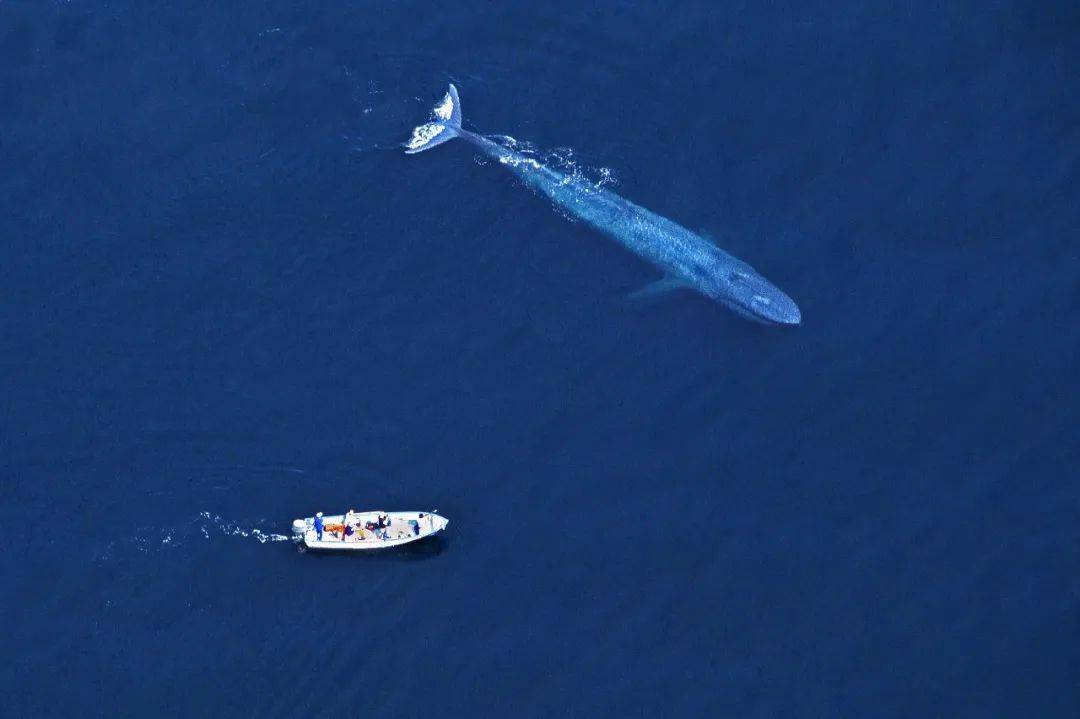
<point x="445" y="124"/>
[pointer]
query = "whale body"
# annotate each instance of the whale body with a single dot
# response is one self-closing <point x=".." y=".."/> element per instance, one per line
<point x="687" y="259"/>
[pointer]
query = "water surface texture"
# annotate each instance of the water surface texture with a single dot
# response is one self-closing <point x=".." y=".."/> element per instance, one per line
<point x="227" y="298"/>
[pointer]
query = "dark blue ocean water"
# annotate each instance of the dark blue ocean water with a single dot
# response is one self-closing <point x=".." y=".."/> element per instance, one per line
<point x="229" y="300"/>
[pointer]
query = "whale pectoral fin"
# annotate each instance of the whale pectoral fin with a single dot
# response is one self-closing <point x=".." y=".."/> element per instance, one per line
<point x="660" y="287"/>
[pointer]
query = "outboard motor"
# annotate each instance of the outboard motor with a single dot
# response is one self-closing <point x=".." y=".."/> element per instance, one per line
<point x="299" y="529"/>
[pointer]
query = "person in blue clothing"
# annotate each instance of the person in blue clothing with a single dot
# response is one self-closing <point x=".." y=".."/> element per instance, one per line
<point x="318" y="525"/>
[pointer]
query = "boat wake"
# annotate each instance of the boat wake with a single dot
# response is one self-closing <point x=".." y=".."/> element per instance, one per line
<point x="203" y="528"/>
<point x="235" y="530"/>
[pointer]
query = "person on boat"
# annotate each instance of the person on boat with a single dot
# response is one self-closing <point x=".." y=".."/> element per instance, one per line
<point x="349" y="520"/>
<point x="318" y="525"/>
<point x="384" y="522"/>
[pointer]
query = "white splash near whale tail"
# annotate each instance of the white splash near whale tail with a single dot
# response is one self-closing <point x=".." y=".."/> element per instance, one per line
<point x="444" y="125"/>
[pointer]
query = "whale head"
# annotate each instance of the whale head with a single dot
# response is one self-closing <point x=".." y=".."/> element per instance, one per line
<point x="754" y="297"/>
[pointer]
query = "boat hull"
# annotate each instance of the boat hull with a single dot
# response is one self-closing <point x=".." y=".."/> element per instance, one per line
<point x="404" y="528"/>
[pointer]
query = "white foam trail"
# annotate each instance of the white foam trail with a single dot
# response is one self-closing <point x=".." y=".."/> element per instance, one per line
<point x="563" y="160"/>
<point x="207" y="526"/>
<point x="235" y="530"/>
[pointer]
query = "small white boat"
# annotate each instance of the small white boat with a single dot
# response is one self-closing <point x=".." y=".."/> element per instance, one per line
<point x="367" y="530"/>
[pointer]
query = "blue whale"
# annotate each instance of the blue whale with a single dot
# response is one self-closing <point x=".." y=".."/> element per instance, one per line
<point x="687" y="259"/>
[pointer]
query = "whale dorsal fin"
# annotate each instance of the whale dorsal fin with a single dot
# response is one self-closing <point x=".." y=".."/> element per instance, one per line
<point x="708" y="237"/>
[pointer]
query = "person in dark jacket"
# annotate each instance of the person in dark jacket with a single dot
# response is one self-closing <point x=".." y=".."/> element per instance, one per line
<point x="318" y="525"/>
